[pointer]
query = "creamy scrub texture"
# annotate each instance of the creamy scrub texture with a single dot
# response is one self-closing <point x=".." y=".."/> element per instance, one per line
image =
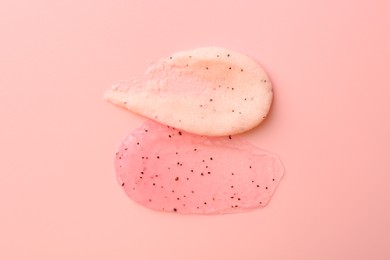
<point x="206" y="91"/>
<point x="167" y="169"/>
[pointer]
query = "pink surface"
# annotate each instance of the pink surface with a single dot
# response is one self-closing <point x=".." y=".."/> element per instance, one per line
<point x="170" y="170"/>
<point x="328" y="61"/>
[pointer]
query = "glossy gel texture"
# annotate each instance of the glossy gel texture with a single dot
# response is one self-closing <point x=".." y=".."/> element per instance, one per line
<point x="166" y="169"/>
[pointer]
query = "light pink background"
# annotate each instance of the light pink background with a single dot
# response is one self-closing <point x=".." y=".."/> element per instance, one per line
<point x="330" y="123"/>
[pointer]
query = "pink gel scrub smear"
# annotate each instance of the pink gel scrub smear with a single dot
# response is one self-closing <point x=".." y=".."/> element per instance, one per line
<point x="170" y="170"/>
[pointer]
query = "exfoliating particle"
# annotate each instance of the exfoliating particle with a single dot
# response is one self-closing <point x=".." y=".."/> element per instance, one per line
<point x="207" y="91"/>
<point x="170" y="170"/>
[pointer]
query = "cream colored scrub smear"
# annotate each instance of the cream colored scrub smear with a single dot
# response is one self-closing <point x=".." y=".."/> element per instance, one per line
<point x="206" y="91"/>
